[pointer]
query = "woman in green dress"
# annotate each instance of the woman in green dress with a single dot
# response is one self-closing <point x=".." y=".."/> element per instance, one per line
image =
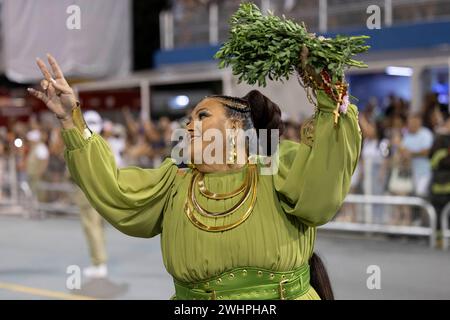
<point x="227" y="231"/>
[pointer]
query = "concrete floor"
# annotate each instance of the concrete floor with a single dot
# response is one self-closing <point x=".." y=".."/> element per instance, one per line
<point x="34" y="256"/>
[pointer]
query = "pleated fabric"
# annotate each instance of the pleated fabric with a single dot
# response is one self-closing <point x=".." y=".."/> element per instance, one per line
<point x="306" y="191"/>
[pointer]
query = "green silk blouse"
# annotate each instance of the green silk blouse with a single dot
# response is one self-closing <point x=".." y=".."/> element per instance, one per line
<point x="308" y="189"/>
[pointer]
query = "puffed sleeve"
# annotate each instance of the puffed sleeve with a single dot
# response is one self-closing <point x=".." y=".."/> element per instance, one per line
<point x="131" y="199"/>
<point x="314" y="178"/>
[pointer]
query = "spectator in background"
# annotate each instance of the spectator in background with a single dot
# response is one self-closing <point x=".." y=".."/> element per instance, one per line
<point x="291" y="131"/>
<point x="416" y="146"/>
<point x="139" y="149"/>
<point x="400" y="179"/>
<point x="440" y="164"/>
<point x="36" y="162"/>
<point x="132" y="126"/>
<point x="92" y="222"/>
<point x="396" y="125"/>
<point x="56" y="164"/>
<point x="163" y="142"/>
<point x="118" y="141"/>
<point x="19" y="132"/>
<point x="159" y="136"/>
<point x="112" y="133"/>
<point x="431" y="112"/>
<point x="372" y="111"/>
<point x="138" y="153"/>
<point x="397" y="107"/>
<point x="373" y="160"/>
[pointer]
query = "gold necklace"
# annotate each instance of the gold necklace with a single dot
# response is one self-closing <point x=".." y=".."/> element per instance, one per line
<point x="204" y="212"/>
<point x="199" y="180"/>
<point x="192" y="207"/>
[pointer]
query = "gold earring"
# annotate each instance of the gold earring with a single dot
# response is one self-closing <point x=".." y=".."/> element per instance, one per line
<point x="232" y="156"/>
<point x="191" y="166"/>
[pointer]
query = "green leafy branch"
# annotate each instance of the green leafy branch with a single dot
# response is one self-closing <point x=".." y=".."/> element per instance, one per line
<point x="267" y="46"/>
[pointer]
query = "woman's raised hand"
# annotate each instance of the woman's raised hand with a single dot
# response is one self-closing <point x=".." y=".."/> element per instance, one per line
<point x="57" y="94"/>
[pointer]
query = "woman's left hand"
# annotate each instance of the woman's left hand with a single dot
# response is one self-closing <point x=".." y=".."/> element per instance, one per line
<point x="57" y="94"/>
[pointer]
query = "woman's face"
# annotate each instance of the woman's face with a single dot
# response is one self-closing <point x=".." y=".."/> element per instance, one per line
<point x="208" y="119"/>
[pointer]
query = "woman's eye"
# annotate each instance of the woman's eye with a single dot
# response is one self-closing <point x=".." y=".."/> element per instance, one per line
<point x="185" y="122"/>
<point x="202" y="115"/>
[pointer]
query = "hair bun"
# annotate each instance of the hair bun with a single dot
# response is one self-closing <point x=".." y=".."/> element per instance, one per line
<point x="265" y="113"/>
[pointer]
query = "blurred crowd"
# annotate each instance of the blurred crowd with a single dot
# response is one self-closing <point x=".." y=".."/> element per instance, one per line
<point x="404" y="153"/>
<point x="37" y="150"/>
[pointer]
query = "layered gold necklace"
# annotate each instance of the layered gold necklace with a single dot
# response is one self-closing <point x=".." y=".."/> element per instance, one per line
<point x="195" y="212"/>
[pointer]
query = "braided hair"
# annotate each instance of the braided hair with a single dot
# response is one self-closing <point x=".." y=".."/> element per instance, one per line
<point x="255" y="111"/>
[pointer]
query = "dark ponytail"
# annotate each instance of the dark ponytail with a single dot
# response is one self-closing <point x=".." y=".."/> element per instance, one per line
<point x="319" y="278"/>
<point x="265" y="114"/>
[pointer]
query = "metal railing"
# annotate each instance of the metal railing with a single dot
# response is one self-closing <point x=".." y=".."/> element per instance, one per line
<point x="445" y="215"/>
<point x="426" y="231"/>
<point x="429" y="231"/>
<point x="10" y="189"/>
<point x="22" y="197"/>
<point x="57" y="206"/>
<point x="319" y="16"/>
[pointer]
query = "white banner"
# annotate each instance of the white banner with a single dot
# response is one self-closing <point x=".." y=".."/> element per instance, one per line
<point x="88" y="38"/>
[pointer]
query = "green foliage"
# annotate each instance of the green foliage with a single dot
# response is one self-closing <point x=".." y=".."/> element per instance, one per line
<point x="266" y="46"/>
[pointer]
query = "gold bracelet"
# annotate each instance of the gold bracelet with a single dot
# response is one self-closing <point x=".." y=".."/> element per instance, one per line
<point x="79" y="122"/>
<point x="65" y="117"/>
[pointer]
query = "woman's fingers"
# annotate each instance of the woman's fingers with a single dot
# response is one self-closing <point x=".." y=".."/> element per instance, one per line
<point x="48" y="87"/>
<point x="61" y="87"/>
<point x="57" y="94"/>
<point x="51" y="92"/>
<point x="44" y="69"/>
<point x="55" y="67"/>
<point x="44" y="84"/>
<point x="38" y="94"/>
